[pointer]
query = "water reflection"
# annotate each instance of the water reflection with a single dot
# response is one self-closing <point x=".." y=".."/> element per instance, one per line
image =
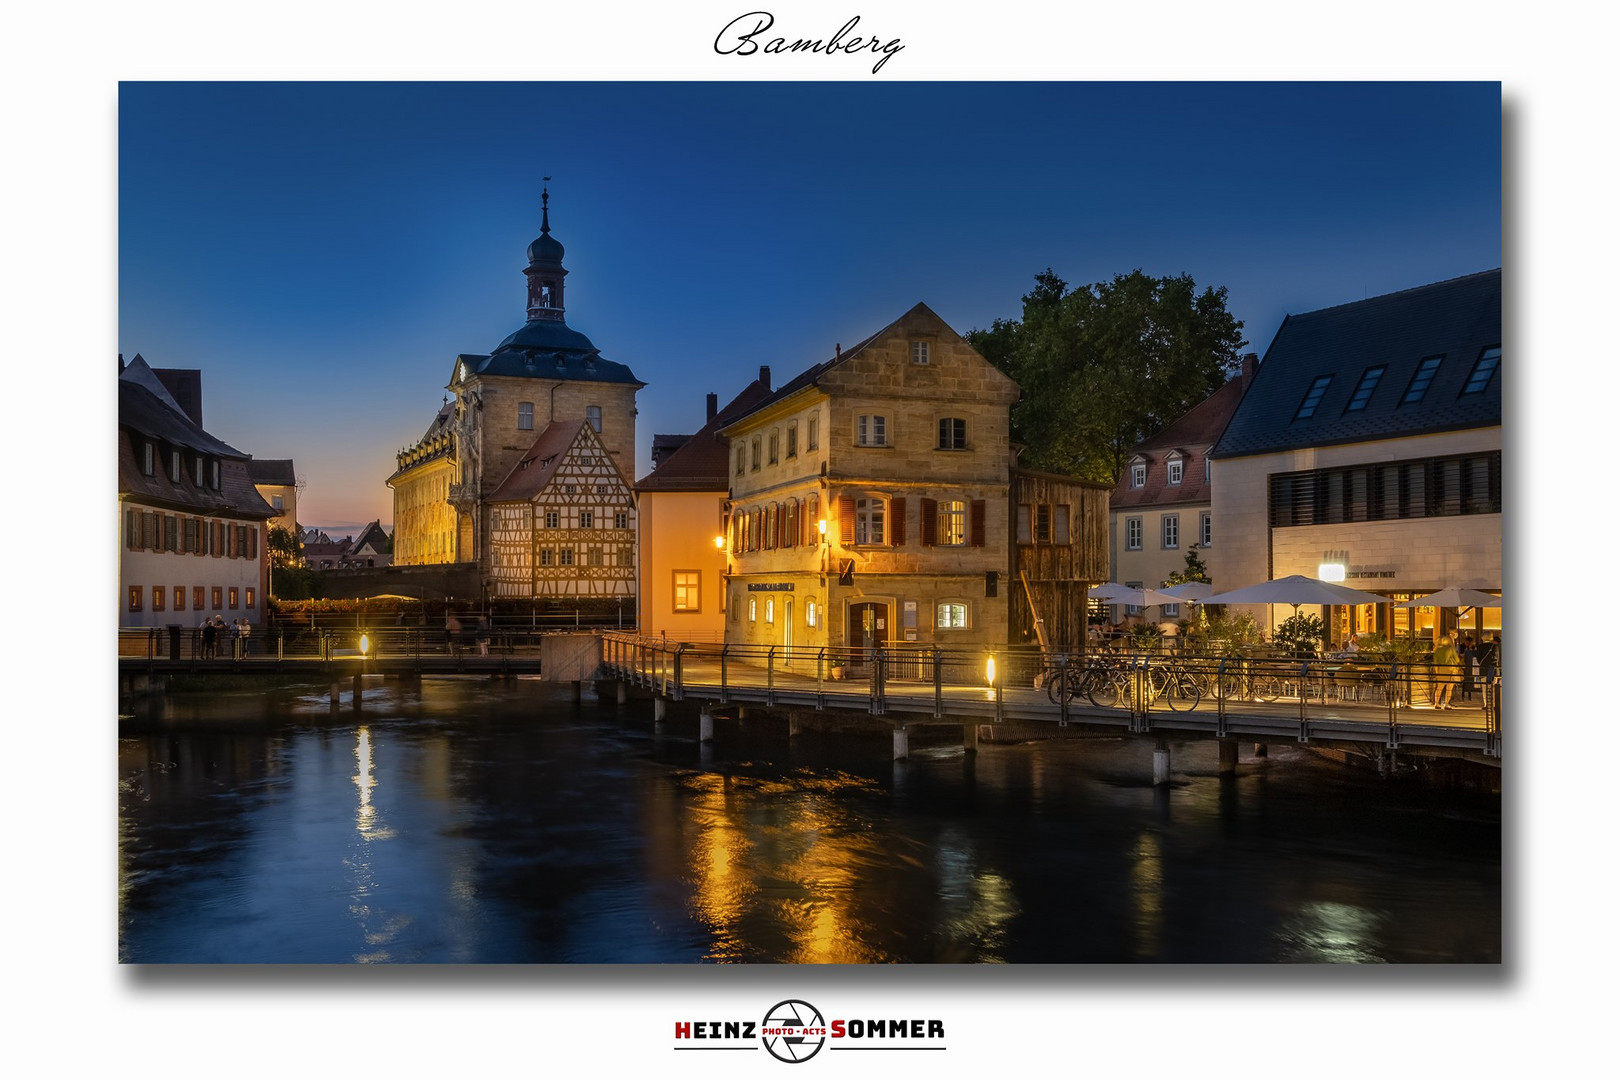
<point x="471" y="822"/>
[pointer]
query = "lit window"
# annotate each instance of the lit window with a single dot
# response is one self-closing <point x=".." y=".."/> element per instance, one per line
<point x="233" y="598"/>
<point x="919" y="352"/>
<point x="1138" y="474"/>
<point x="218" y="597"/>
<point x="952" y="433"/>
<point x="753" y="609"/>
<point x="1421" y="379"/>
<point x="525" y="416"/>
<point x="197" y="597"/>
<point x="247" y="600"/>
<point x="770" y="609"/>
<point x="869" y="521"/>
<point x="810" y="613"/>
<point x="1364" y="389"/>
<point x="1174" y="470"/>
<point x="158" y="594"/>
<point x="593" y="416"/>
<point x="871" y="431"/>
<point x="1313" y="397"/>
<point x="1170" y="527"/>
<point x="134" y="598"/>
<point x="1133" y="534"/>
<point x="951" y="616"/>
<point x="179" y="598"/>
<point x="1484" y="368"/>
<point x="952" y="525"/>
<point x="687" y="589"/>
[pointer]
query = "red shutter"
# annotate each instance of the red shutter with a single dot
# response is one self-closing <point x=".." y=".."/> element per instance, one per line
<point x="897" y="521"/>
<point x="978" y="523"/>
<point x="930" y="523"/>
<point x="846" y="519"/>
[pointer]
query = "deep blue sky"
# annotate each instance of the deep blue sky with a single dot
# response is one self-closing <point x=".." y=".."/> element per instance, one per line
<point x="322" y="251"/>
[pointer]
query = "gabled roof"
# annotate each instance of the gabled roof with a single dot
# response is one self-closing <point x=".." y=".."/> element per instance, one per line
<point x="1190" y="435"/>
<point x="272" y="471"/>
<point x="550" y="451"/>
<point x="1456" y="319"/>
<point x="702" y="463"/>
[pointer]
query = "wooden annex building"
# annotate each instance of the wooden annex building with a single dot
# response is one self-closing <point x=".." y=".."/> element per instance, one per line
<point x="1059" y="550"/>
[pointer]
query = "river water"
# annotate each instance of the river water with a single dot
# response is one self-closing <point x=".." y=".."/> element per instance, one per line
<point x="472" y="821"/>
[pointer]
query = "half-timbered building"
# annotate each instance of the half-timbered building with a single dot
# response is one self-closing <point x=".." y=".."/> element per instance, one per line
<point x="563" y="522"/>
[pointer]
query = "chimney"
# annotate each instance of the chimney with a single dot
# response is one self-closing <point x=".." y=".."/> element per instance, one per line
<point x="838" y="351"/>
<point x="1251" y="363"/>
<point x="712" y="406"/>
<point x="765" y="376"/>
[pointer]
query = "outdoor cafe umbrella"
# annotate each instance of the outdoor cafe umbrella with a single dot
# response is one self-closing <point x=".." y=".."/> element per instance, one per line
<point x="1454" y="596"/>
<point x="1125" y="594"/>
<point x="1295" y="590"/>
<point x="1192" y="592"/>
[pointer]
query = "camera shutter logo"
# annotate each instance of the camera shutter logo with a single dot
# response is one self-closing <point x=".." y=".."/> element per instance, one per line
<point x="800" y="1029"/>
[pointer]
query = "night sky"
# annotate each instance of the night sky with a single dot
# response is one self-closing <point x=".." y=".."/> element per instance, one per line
<point x="322" y="251"/>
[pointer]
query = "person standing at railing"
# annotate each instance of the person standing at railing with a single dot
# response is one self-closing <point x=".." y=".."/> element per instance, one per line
<point x="483" y="635"/>
<point x="1445" y="665"/>
<point x="209" y="635"/>
<point x="245" y="630"/>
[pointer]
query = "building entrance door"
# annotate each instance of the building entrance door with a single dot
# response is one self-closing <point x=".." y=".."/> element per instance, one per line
<point x="868" y="629"/>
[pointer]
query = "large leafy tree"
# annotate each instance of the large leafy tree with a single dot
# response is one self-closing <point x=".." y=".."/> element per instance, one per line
<point x="1106" y="366"/>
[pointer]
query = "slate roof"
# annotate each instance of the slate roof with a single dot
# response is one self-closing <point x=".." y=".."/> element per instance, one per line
<point x="272" y="471"/>
<point x="531" y="474"/>
<point x="703" y="462"/>
<point x="1193" y="434"/>
<point x="145" y="416"/>
<point x="549" y="349"/>
<point x="1457" y="319"/>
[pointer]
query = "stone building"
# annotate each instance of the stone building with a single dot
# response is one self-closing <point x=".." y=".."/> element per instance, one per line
<point x="542" y="374"/>
<point x="1368" y="449"/>
<point x="193" y="526"/>
<point x="870" y="498"/>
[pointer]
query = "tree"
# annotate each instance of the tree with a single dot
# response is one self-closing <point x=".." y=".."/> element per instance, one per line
<point x="1105" y="366"/>
<point x="285" y="550"/>
<point x="1195" y="570"/>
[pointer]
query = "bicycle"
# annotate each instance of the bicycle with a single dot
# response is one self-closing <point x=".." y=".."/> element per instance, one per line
<point x="1177" y="688"/>
<point x="1072" y="680"/>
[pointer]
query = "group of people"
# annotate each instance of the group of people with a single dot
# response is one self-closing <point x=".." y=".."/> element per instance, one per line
<point x="452" y="633"/>
<point x="1457" y="662"/>
<point x="215" y="629"/>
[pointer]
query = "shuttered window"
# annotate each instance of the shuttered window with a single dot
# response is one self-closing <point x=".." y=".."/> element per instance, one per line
<point x="977" y="523"/>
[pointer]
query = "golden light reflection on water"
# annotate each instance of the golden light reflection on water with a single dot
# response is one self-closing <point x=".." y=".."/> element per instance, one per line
<point x="793" y="861"/>
<point x="1147" y="889"/>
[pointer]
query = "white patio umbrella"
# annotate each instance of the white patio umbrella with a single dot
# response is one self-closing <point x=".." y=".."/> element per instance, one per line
<point x="1192" y="592"/>
<point x="1125" y="594"/>
<point x="1295" y="590"/>
<point x="1454" y="596"/>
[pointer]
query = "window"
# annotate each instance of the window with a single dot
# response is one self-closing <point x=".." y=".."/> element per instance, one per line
<point x="869" y="521"/>
<point x="793" y="440"/>
<point x="770" y="609"/>
<point x="525" y="416"/>
<point x="1173" y="467"/>
<point x="148" y="464"/>
<point x="279" y="503"/>
<point x="687" y="589"/>
<point x="134" y="598"/>
<point x="197" y="598"/>
<point x="754" y="456"/>
<point x="1313" y="397"/>
<point x="775" y="448"/>
<point x="1138" y="474"/>
<point x="1364" y="389"/>
<point x="593" y="556"/>
<point x="753" y="609"/>
<point x="1170" y="528"/>
<point x="1043" y="524"/>
<point x="593" y="416"/>
<point x="547" y="556"/>
<point x="951" y="616"/>
<point x="233" y="597"/>
<point x="919" y="352"/>
<point x="1421" y="378"/>
<point x="179" y="598"/>
<point x="1389" y="490"/>
<point x="1171" y="611"/>
<point x="197" y="470"/>
<point x="812" y="435"/>
<point x="247" y="601"/>
<point x="1206" y="465"/>
<point x="871" y="431"/>
<point x="621" y="519"/>
<point x="952" y="523"/>
<point x="213" y="475"/>
<point x="1133" y="534"/>
<point x="174" y="465"/>
<point x="952" y="433"/>
<point x="218" y="597"/>
<point x="565" y="556"/>
<point x="1133" y="609"/>
<point x="587" y="519"/>
<point x="810" y="613"/>
<point x="551" y="519"/>
<point x="158" y="593"/>
<point x="1206" y="532"/>
<point x="742" y="459"/>
<point x="1484" y="368"/>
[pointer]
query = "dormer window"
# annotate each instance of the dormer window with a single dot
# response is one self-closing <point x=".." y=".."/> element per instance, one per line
<point x="1421" y="379"/>
<point x="174" y="465"/>
<point x="213" y="475"/>
<point x="197" y="470"/>
<point x="1484" y="368"/>
<point x="1364" y="389"/>
<point x="148" y="458"/>
<point x="1313" y="397"/>
<point x="1173" y="469"/>
<point x="1138" y="473"/>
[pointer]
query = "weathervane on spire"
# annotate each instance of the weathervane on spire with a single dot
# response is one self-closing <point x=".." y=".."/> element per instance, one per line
<point x="545" y="199"/>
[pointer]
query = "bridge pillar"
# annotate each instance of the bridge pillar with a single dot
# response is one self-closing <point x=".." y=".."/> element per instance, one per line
<point x="357" y="692"/>
<point x="970" y="738"/>
<point x="574" y="691"/>
<point x="706" y="726"/>
<point x="621" y="693"/>
<point x="1161" y="761"/>
<point x="337" y="692"/>
<point x="1229" y="756"/>
<point x="659" y="707"/>
<point x="794" y="724"/>
<point x="902" y="742"/>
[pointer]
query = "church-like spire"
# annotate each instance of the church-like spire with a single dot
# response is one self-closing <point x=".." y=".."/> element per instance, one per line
<point x="545" y="270"/>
